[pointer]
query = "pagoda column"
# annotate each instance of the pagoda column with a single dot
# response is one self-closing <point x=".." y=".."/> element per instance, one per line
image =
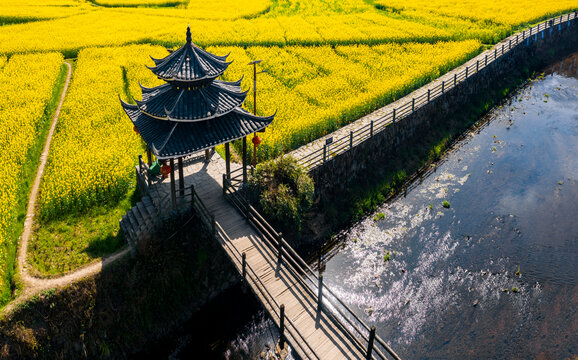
<point x="245" y="159"/>
<point x="181" y="177"/>
<point x="173" y="190"/>
<point x="227" y="161"/>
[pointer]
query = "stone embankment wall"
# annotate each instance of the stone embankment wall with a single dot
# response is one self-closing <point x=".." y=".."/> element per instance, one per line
<point x="333" y="172"/>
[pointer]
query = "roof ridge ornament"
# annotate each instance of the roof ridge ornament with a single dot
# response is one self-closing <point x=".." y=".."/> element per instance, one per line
<point x="189" y="38"/>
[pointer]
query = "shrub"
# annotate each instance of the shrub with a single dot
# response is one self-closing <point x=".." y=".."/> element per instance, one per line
<point x="283" y="190"/>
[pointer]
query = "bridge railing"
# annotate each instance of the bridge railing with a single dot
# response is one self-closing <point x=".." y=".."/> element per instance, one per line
<point x="335" y="147"/>
<point x="362" y="336"/>
<point x="247" y="271"/>
<point x="249" y="274"/>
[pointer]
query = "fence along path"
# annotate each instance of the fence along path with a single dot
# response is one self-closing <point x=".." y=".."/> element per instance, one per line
<point x="316" y="323"/>
<point x="323" y="149"/>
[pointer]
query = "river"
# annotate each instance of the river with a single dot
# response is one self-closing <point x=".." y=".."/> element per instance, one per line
<point x="493" y="274"/>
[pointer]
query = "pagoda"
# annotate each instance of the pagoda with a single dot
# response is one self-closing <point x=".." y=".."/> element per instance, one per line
<point x="193" y="111"/>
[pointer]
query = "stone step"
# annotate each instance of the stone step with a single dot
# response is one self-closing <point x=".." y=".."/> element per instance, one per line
<point x="140" y="221"/>
<point x="127" y="231"/>
<point x="144" y="220"/>
<point x="133" y="223"/>
<point x="143" y="210"/>
<point x="152" y="210"/>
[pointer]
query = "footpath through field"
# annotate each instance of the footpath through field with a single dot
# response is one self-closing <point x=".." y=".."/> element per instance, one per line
<point x="32" y="285"/>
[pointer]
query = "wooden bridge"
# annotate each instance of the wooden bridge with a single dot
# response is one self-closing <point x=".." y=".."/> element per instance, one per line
<point x="311" y="318"/>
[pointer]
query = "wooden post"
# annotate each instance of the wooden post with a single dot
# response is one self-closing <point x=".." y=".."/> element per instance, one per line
<point x="412" y="104"/>
<point x="455" y="79"/>
<point x="393" y="116"/>
<point x="477" y="65"/>
<point x="282" y="321"/>
<point x="510" y="45"/>
<point x="139" y="164"/>
<point x="207" y="154"/>
<point x="351" y="139"/>
<point x="319" y="292"/>
<point x="228" y="160"/>
<point x="466" y="72"/>
<point x="244" y="260"/>
<point x="149" y="156"/>
<point x="173" y="189"/>
<point x="244" y="160"/>
<point x="486" y="64"/>
<point x="181" y="177"/>
<point x="225" y="184"/>
<point x="370" y="342"/>
<point x="443" y="86"/>
<point x="319" y="260"/>
<point x="428" y="91"/>
<point x="139" y="182"/>
<point x="324" y="152"/>
<point x="279" y="250"/>
<point x="371" y="128"/>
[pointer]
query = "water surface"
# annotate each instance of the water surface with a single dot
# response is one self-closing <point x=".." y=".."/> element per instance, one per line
<point x="495" y="274"/>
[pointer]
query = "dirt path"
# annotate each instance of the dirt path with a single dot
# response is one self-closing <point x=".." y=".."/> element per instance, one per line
<point x="30" y="284"/>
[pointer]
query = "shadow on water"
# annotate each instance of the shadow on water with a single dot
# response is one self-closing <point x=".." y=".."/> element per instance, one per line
<point x="233" y="326"/>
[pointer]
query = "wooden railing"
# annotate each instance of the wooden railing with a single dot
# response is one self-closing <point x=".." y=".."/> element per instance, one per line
<point x="335" y="147"/>
<point x="362" y="336"/>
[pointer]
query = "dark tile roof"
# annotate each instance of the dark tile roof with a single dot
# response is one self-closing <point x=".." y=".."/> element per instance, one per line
<point x="169" y="139"/>
<point x="189" y="63"/>
<point x="169" y="102"/>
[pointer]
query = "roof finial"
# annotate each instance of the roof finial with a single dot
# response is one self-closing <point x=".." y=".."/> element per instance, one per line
<point x="189" y="39"/>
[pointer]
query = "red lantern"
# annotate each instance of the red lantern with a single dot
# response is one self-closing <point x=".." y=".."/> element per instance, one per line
<point x="135" y="130"/>
<point x="165" y="170"/>
<point x="256" y="140"/>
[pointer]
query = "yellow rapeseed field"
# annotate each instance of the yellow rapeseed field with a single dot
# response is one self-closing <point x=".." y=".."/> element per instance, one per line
<point x="94" y="146"/>
<point x="328" y="62"/>
<point x="196" y="9"/>
<point x="15" y="11"/>
<point x="513" y="12"/>
<point x="27" y="84"/>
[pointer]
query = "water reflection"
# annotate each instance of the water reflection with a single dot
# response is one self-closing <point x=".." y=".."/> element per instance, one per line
<point x="483" y="277"/>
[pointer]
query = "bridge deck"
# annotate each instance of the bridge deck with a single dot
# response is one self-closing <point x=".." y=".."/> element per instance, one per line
<point x="311" y="333"/>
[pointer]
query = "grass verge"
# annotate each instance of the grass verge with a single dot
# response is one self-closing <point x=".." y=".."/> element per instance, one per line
<point x="67" y="243"/>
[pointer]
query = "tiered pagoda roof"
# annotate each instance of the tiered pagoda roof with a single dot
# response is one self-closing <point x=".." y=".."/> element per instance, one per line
<point x="193" y="111"/>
